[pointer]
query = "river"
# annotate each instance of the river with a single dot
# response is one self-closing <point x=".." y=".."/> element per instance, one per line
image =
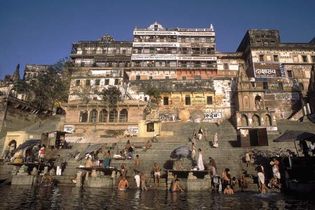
<point x="13" y="197"/>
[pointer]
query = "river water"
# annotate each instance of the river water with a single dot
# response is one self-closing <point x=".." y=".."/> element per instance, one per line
<point x="13" y="197"/>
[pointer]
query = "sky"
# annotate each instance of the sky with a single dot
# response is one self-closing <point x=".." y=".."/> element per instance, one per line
<point x="42" y="31"/>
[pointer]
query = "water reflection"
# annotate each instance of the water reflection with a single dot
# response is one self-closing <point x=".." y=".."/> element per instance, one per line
<point x="75" y="198"/>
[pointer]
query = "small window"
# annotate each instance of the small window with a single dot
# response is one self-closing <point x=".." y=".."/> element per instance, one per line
<point x="225" y="66"/>
<point x="165" y="100"/>
<point x="261" y="58"/>
<point x="93" y="116"/>
<point x="97" y="82"/>
<point x="83" y="116"/>
<point x="138" y="77"/>
<point x="209" y="100"/>
<point x="265" y="85"/>
<point x="150" y="77"/>
<point x="106" y="81"/>
<point x="184" y="78"/>
<point x="150" y="127"/>
<point x="276" y="58"/>
<point x="167" y="77"/>
<point x="290" y="73"/>
<point x="304" y="58"/>
<point x="313" y="59"/>
<point x="280" y="85"/>
<point x="116" y="81"/>
<point x="87" y="82"/>
<point x="77" y="82"/>
<point x="187" y="100"/>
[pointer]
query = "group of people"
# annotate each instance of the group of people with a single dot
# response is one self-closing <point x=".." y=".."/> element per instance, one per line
<point x="139" y="175"/>
<point x="274" y="182"/>
<point x="199" y="135"/>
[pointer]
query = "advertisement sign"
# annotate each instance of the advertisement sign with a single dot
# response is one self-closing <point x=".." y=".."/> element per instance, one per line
<point x="133" y="130"/>
<point x="213" y="115"/>
<point x="267" y="70"/>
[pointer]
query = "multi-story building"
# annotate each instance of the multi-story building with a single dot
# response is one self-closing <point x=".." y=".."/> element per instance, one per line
<point x="177" y="53"/>
<point x="274" y="82"/>
<point x="99" y="65"/>
<point x="265" y="80"/>
<point x="32" y="71"/>
<point x="183" y="64"/>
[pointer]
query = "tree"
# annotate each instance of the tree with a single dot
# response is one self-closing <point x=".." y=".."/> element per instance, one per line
<point x="154" y="94"/>
<point x="52" y="87"/>
<point x="111" y="96"/>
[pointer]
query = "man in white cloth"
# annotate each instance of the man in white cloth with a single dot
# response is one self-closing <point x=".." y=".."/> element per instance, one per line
<point x="261" y="180"/>
<point x="137" y="178"/>
<point x="215" y="142"/>
<point x="200" y="165"/>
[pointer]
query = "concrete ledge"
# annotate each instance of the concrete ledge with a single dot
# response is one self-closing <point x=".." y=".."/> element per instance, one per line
<point x="198" y="184"/>
<point x="23" y="180"/>
<point x="99" y="182"/>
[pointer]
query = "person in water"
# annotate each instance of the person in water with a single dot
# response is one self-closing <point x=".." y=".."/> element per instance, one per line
<point x="123" y="184"/>
<point x="176" y="187"/>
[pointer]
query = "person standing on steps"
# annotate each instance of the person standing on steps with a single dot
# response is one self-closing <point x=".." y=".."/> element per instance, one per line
<point x="261" y="179"/>
<point x="215" y="142"/>
<point x="156" y="173"/>
<point x="200" y="165"/>
<point x="200" y="134"/>
<point x="107" y="160"/>
<point x="193" y="151"/>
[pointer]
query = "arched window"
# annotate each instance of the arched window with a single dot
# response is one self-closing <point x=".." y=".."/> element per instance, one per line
<point x="268" y="120"/>
<point x="83" y="116"/>
<point x="244" y="120"/>
<point x="123" y="115"/>
<point x="93" y="116"/>
<point x="258" y="102"/>
<point x="103" y="115"/>
<point x="256" y="120"/>
<point x="245" y="102"/>
<point x="113" y="115"/>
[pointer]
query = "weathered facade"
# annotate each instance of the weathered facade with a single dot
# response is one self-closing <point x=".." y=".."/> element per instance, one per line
<point x="99" y="65"/>
<point x="263" y="81"/>
<point x="274" y="82"/>
<point x="33" y="71"/>
<point x="178" y="53"/>
<point x="184" y="65"/>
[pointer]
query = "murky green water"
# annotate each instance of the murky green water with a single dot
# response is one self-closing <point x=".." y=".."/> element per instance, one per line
<point x="74" y="198"/>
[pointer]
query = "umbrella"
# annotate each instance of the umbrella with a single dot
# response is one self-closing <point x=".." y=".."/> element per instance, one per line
<point x="27" y="144"/>
<point x="182" y="151"/>
<point x="293" y="135"/>
<point x="91" y="148"/>
<point x="197" y="116"/>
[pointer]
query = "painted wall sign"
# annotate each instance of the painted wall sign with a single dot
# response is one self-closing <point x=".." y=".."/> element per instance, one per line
<point x="133" y="130"/>
<point x="69" y="128"/>
<point x="267" y="70"/>
<point x="213" y="115"/>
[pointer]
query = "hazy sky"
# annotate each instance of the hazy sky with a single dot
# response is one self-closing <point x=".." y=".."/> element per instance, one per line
<point x="42" y="31"/>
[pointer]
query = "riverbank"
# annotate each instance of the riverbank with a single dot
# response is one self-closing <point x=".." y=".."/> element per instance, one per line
<point x="96" y="198"/>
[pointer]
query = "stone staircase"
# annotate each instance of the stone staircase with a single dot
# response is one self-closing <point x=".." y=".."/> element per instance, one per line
<point x="228" y="155"/>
